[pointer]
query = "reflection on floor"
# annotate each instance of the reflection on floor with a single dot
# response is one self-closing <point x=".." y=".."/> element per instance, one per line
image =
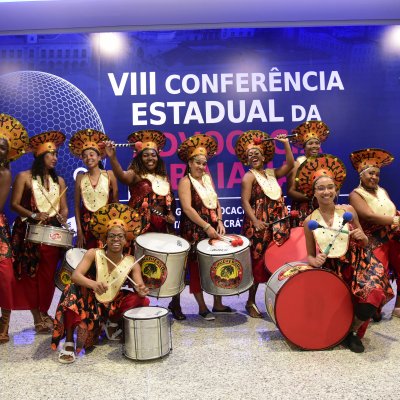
<point x="233" y="357"/>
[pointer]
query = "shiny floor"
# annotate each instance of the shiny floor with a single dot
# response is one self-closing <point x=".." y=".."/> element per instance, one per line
<point x="233" y="357"/>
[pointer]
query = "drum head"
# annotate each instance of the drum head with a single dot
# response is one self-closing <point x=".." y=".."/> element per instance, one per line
<point x="314" y="309"/>
<point x="220" y="247"/>
<point x="163" y="243"/>
<point x="146" y="313"/>
<point x="293" y="249"/>
<point x="74" y="257"/>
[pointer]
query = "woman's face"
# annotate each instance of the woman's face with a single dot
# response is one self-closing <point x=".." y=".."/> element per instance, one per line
<point x="325" y="190"/>
<point x="312" y="147"/>
<point x="50" y="160"/>
<point x="90" y="158"/>
<point x="198" y="166"/>
<point x="116" y="239"/>
<point x="255" y="159"/>
<point x="370" y="178"/>
<point x="3" y="149"/>
<point x="149" y="158"/>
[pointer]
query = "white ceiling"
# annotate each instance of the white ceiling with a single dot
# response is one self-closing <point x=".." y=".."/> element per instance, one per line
<point x="102" y="15"/>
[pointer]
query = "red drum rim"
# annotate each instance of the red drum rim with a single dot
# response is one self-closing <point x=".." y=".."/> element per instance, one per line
<point x="314" y="309"/>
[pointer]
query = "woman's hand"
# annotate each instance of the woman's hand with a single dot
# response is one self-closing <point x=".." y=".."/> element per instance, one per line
<point x="80" y="241"/>
<point x="281" y="138"/>
<point x="170" y="218"/>
<point x="259" y="225"/>
<point x="99" y="287"/>
<point x="317" y="261"/>
<point x="142" y="290"/>
<point x="221" y="228"/>
<point x="212" y="233"/>
<point x="110" y="149"/>
<point x="42" y="216"/>
<point x="359" y="235"/>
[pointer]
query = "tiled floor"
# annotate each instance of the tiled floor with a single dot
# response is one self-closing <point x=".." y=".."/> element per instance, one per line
<point x="234" y="357"/>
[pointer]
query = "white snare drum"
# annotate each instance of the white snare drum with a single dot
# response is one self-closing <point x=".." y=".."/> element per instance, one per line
<point x="71" y="260"/>
<point x="225" y="269"/>
<point x="147" y="333"/>
<point x="164" y="262"/>
<point x="50" y="235"/>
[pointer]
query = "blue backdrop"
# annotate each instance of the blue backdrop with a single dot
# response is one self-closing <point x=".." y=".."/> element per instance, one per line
<point x="219" y="82"/>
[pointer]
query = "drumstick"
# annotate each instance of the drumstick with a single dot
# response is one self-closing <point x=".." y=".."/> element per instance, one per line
<point x="274" y="138"/>
<point x="115" y="265"/>
<point x="53" y="207"/>
<point x="313" y="225"/>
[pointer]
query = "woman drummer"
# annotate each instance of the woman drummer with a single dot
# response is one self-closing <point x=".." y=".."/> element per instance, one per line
<point x="38" y="196"/>
<point x="13" y="144"/>
<point x="201" y="212"/>
<point x="378" y="215"/>
<point x="95" y="297"/>
<point x="93" y="189"/>
<point x="262" y="202"/>
<point x="309" y="136"/>
<point x="150" y="189"/>
<point x="341" y="246"/>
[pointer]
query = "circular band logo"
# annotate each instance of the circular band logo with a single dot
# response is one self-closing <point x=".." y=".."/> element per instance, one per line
<point x="65" y="277"/>
<point x="226" y="273"/>
<point x="154" y="272"/>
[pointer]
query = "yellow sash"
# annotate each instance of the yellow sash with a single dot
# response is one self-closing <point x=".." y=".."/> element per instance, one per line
<point x="324" y="237"/>
<point x="115" y="279"/>
<point x="95" y="197"/>
<point x="206" y="191"/>
<point x="268" y="183"/>
<point x="159" y="184"/>
<point x="301" y="159"/>
<point x="379" y="204"/>
<point x="40" y="193"/>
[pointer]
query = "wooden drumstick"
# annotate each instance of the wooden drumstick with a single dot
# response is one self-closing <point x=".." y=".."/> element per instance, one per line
<point x="53" y="207"/>
<point x="128" y="277"/>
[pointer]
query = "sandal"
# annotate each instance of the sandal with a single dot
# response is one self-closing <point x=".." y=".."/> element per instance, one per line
<point x="67" y="356"/>
<point x="225" y="310"/>
<point x="42" y="328"/>
<point x="177" y="313"/>
<point x="115" y="335"/>
<point x="253" y="310"/>
<point x="47" y="320"/>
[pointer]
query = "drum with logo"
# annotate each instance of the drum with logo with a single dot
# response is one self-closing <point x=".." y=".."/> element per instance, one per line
<point x="225" y="269"/>
<point x="312" y="307"/>
<point x="50" y="235"/>
<point x="164" y="262"/>
<point x="293" y="249"/>
<point x="147" y="333"/>
<point x="71" y="260"/>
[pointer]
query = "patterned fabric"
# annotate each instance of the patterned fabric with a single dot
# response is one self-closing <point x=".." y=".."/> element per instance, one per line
<point x="266" y="210"/>
<point x="26" y="253"/>
<point x="6" y="268"/>
<point x="88" y="314"/>
<point x="304" y="208"/>
<point x="364" y="274"/>
<point x="5" y="238"/>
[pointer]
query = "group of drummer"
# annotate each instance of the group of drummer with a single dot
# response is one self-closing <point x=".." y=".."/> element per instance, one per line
<point x="107" y="229"/>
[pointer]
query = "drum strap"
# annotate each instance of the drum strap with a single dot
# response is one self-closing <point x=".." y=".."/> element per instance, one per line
<point x="95" y="197"/>
<point x="380" y="203"/>
<point x="116" y="277"/>
<point x="159" y="184"/>
<point x="268" y="183"/>
<point x="324" y="236"/>
<point x="206" y="191"/>
<point x="46" y="200"/>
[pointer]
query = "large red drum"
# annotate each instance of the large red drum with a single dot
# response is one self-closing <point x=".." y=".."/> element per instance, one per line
<point x="312" y="307"/>
<point x="293" y="249"/>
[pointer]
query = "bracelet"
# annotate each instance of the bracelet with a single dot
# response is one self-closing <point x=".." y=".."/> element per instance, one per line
<point x="219" y="219"/>
<point x="205" y="229"/>
<point x="396" y="220"/>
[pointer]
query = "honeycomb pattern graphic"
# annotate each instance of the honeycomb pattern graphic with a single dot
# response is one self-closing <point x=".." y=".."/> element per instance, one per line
<point x="44" y="102"/>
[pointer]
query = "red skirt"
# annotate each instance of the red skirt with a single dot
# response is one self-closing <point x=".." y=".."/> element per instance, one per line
<point x="7" y="284"/>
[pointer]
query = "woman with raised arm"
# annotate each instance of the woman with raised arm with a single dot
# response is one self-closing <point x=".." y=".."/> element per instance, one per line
<point x="38" y="196"/>
<point x="266" y="215"/>
<point x="93" y="189"/>
<point x="378" y="215"/>
<point x="150" y="190"/>
<point x="309" y="136"/>
<point x="13" y="144"/>
<point x="95" y="297"/>
<point x="201" y="212"/>
<point x="339" y="244"/>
